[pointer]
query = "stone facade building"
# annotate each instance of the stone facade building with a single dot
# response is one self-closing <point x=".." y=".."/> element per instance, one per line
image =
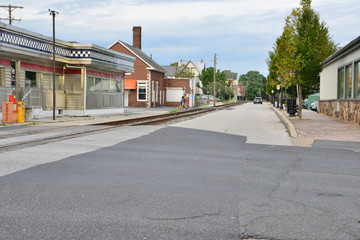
<point x="340" y="84"/>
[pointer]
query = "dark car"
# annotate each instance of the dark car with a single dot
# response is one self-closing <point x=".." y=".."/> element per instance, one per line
<point x="258" y="100"/>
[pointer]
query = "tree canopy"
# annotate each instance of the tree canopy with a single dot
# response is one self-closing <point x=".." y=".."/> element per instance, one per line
<point x="297" y="56"/>
<point x="254" y="83"/>
<point x="223" y="89"/>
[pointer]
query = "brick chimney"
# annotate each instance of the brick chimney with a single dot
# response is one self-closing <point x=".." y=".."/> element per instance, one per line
<point x="137" y="37"/>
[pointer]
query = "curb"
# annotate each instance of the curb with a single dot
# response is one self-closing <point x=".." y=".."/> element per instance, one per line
<point x="290" y="127"/>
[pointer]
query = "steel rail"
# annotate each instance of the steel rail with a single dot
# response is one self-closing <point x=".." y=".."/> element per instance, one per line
<point x="107" y="126"/>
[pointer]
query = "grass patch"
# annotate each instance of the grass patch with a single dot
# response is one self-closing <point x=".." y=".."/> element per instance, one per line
<point x="174" y="111"/>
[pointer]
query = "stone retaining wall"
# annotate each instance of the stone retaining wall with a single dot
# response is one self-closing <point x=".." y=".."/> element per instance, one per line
<point x="345" y="110"/>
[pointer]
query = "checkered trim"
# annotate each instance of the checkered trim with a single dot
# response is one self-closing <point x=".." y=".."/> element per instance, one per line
<point x="80" y="53"/>
<point x="47" y="47"/>
<point x="26" y="42"/>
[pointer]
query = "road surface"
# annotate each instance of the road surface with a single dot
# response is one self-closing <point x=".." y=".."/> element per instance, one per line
<point x="170" y="182"/>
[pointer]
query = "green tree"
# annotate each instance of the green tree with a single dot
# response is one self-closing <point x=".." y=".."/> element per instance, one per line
<point x="255" y="84"/>
<point x="298" y="53"/>
<point x="223" y="89"/>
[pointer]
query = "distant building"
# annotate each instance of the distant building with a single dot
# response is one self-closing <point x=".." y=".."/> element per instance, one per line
<point x="89" y="79"/>
<point x="186" y="74"/>
<point x="233" y="79"/>
<point x="194" y="68"/>
<point x="170" y="71"/>
<point x="145" y="87"/>
<point x="340" y="84"/>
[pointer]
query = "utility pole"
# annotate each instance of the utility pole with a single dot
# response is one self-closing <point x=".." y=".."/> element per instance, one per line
<point x="53" y="14"/>
<point x="10" y="8"/>
<point x="215" y="80"/>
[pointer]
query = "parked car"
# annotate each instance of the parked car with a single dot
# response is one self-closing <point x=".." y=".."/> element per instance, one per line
<point x="305" y="103"/>
<point x="315" y="106"/>
<point x="209" y="97"/>
<point x="258" y="100"/>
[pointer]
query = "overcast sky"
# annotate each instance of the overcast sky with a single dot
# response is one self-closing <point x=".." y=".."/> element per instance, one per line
<point x="240" y="32"/>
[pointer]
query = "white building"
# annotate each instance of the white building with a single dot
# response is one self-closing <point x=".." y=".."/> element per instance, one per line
<point x="340" y="84"/>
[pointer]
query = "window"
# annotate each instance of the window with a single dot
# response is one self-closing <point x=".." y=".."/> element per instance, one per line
<point x="13" y="73"/>
<point x="90" y="84"/>
<point x="30" y="79"/>
<point x="99" y="84"/>
<point x="142" y="91"/>
<point x="349" y="81"/>
<point x="357" y="83"/>
<point x="341" y="83"/>
<point x="94" y="84"/>
<point x="109" y="85"/>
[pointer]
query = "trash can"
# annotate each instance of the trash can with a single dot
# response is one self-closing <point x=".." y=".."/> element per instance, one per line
<point x="292" y="108"/>
<point x="20" y="112"/>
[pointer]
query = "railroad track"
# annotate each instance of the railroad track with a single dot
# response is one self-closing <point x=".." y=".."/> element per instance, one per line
<point x="77" y="131"/>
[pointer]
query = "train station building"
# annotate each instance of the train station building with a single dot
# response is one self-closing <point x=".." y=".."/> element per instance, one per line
<point x="89" y="79"/>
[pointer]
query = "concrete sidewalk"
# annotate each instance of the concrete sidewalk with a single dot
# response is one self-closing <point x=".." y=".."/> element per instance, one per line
<point x="314" y="126"/>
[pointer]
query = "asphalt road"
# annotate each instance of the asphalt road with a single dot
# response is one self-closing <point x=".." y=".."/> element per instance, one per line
<point x="257" y="122"/>
<point x="167" y="182"/>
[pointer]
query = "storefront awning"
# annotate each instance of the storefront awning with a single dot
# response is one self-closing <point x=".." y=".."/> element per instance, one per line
<point x="130" y="84"/>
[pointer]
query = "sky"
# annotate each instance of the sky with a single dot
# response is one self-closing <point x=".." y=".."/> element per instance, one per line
<point x="239" y="32"/>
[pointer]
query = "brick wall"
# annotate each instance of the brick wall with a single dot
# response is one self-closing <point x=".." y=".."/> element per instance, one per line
<point x="178" y="83"/>
<point x="345" y="110"/>
<point x="158" y="78"/>
<point x="142" y="73"/>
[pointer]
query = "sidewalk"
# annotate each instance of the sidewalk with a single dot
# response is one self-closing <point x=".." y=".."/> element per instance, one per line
<point x="129" y="113"/>
<point x="314" y="126"/>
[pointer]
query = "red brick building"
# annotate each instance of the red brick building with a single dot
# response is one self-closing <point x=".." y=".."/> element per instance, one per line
<point x="145" y="87"/>
<point x="175" y="89"/>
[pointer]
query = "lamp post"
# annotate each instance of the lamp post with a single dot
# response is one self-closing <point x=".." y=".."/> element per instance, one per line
<point x="278" y="88"/>
<point x="273" y="98"/>
<point x="53" y="14"/>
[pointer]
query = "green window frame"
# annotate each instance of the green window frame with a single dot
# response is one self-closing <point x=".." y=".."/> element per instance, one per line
<point x="349" y="81"/>
<point x="357" y="80"/>
<point x="341" y="83"/>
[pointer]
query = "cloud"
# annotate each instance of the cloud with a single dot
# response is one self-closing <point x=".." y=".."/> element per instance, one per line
<point x="240" y="31"/>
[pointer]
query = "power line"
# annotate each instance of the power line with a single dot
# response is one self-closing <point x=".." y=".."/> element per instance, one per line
<point x="10" y="9"/>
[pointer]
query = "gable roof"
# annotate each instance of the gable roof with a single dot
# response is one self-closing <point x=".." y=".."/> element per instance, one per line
<point x="170" y="71"/>
<point x="142" y="56"/>
<point x="199" y="65"/>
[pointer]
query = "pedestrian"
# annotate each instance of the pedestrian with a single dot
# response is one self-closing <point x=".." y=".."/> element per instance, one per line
<point x="183" y="101"/>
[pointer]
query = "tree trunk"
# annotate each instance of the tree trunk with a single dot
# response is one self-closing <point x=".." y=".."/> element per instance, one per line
<point x="299" y="100"/>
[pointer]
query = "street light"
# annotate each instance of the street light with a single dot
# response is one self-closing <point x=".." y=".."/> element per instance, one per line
<point x="273" y="98"/>
<point x="278" y="88"/>
<point x="53" y="14"/>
